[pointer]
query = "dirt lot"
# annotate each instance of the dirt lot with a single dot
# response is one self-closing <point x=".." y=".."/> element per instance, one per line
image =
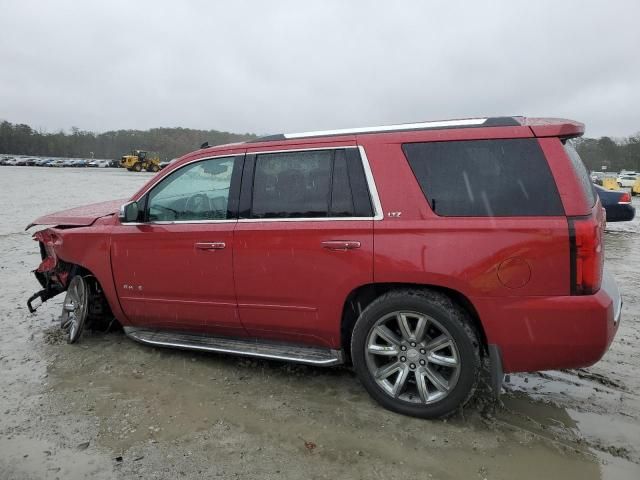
<point x="111" y="408"/>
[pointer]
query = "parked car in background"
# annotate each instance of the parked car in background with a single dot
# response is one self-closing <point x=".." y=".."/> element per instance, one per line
<point x="597" y="177"/>
<point x="419" y="252"/>
<point x="56" y="163"/>
<point x="626" y="180"/>
<point x="617" y="204"/>
<point x="99" y="163"/>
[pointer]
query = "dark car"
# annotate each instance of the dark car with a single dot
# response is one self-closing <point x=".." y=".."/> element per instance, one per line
<point x="391" y="247"/>
<point x="617" y="203"/>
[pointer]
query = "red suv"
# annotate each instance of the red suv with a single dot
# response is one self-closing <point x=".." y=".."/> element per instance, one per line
<point x="413" y="251"/>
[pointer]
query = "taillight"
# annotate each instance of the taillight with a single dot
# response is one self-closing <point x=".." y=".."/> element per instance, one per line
<point x="587" y="255"/>
<point x="625" y="198"/>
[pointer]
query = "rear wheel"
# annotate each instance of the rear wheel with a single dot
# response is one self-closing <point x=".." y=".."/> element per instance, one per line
<point x="416" y="353"/>
<point x="137" y="167"/>
<point x="75" y="308"/>
<point x="153" y="168"/>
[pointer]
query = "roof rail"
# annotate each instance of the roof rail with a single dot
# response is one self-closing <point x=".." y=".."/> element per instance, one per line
<point x="401" y="127"/>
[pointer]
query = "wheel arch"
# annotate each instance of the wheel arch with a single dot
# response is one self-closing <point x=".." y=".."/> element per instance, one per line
<point x="359" y="298"/>
<point x="100" y="305"/>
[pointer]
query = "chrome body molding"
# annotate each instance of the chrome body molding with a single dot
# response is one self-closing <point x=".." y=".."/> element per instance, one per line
<point x="609" y="285"/>
<point x="371" y="184"/>
<point x="373" y="190"/>
<point x="237" y="346"/>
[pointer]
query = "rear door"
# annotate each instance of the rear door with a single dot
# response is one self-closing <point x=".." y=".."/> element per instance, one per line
<point x="174" y="269"/>
<point x="304" y="240"/>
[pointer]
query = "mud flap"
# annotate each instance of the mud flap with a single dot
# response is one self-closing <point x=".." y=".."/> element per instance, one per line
<point x="497" y="374"/>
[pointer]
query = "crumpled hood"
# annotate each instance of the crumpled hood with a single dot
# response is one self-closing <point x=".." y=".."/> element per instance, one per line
<point x="80" y="216"/>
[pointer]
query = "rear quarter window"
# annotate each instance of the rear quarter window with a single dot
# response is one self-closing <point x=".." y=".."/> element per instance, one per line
<point x="582" y="173"/>
<point x="485" y="178"/>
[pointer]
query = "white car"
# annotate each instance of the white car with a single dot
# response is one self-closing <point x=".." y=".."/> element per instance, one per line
<point x="98" y="163"/>
<point x="627" y="180"/>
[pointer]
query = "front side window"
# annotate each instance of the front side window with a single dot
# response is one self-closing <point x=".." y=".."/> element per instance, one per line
<point x="310" y="184"/>
<point x="199" y="191"/>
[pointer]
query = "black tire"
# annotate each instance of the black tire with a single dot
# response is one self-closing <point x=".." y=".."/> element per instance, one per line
<point x="153" y="168"/>
<point x="137" y="167"/>
<point x="75" y="308"/>
<point x="447" y="314"/>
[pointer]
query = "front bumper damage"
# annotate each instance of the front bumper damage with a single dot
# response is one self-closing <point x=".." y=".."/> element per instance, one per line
<point x="52" y="273"/>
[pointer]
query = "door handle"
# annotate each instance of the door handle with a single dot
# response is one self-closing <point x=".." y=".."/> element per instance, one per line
<point x="210" y="245"/>
<point x="340" y="244"/>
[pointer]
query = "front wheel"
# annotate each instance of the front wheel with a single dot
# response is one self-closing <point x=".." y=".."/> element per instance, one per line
<point x="416" y="353"/>
<point x="75" y="308"/>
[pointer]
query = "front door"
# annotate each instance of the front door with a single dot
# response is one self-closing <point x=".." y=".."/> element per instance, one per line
<point x="173" y="269"/>
<point x="306" y="242"/>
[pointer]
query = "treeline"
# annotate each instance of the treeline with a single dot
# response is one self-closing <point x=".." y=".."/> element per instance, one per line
<point x="169" y="143"/>
<point x="615" y="154"/>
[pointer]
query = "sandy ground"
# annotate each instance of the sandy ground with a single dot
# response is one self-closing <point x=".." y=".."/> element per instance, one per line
<point x="111" y="408"/>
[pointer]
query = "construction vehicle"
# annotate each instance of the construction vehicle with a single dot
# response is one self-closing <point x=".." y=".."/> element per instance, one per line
<point x="139" y="160"/>
<point x="610" y="183"/>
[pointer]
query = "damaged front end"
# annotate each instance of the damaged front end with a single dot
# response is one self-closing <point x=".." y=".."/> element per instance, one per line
<point x="52" y="273"/>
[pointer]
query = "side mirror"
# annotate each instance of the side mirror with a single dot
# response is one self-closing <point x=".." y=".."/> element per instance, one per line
<point x="129" y="212"/>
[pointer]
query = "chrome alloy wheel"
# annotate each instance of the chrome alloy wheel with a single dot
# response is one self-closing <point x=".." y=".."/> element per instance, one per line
<point x="75" y="308"/>
<point x="412" y="357"/>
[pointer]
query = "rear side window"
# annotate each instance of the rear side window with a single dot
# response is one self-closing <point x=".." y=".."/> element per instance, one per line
<point x="582" y="173"/>
<point x="485" y="178"/>
<point x="310" y="184"/>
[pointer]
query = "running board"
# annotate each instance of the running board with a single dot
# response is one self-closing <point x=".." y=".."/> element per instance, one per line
<point x="237" y="346"/>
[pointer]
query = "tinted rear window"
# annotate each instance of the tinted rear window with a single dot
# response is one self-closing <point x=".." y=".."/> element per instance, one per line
<point x="309" y="184"/>
<point x="485" y="178"/>
<point x="582" y="173"/>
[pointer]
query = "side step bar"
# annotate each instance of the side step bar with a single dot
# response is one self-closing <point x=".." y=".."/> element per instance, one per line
<point x="237" y="346"/>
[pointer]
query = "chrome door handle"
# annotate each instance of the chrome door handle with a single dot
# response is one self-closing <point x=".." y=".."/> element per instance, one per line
<point x="210" y="245"/>
<point x="340" y="244"/>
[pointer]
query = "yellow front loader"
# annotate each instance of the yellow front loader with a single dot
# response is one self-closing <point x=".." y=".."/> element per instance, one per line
<point x="139" y="160"/>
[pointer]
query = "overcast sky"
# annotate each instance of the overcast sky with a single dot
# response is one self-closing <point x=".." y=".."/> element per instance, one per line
<point x="270" y="66"/>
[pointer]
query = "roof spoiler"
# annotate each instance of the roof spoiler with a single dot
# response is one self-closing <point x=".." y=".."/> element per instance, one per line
<point x="553" y="127"/>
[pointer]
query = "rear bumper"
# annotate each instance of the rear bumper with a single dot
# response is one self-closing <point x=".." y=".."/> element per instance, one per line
<point x="620" y="213"/>
<point x="545" y="333"/>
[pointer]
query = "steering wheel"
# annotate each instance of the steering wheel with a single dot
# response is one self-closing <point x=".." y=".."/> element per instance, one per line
<point x="197" y="205"/>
